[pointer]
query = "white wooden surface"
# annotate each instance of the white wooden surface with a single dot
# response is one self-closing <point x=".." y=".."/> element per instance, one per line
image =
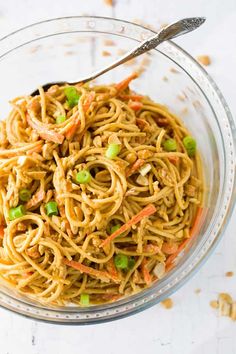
<point x="191" y="326"/>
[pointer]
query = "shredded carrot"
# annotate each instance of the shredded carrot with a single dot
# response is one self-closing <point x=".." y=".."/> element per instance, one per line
<point x="135" y="106"/>
<point x="1" y="231"/>
<point x="37" y="198"/>
<point x="173" y="159"/>
<point x="88" y="270"/>
<point x="88" y="101"/>
<point x="146" y="275"/>
<point x="131" y="97"/>
<point x="112" y="270"/>
<point x="136" y="166"/>
<point x="111" y="297"/>
<point x="171" y="258"/>
<point x="37" y="148"/>
<point x="44" y="131"/>
<point x="196" y="222"/>
<point x="125" y="83"/>
<point x="147" y="211"/>
<point x="169" y="248"/>
<point x="27" y="274"/>
<point x="72" y="130"/>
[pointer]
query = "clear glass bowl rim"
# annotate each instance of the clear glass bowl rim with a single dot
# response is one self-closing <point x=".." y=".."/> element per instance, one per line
<point x="147" y="298"/>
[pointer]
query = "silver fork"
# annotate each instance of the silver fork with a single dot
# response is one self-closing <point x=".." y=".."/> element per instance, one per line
<point x="169" y="32"/>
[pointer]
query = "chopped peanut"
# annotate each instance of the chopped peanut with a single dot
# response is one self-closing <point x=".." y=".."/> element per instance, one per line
<point x="214" y="304"/>
<point x="109" y="42"/>
<point x="54" y="90"/>
<point x="204" y="60"/>
<point x="226" y="306"/>
<point x="131" y="157"/>
<point x="105" y="53"/>
<point x="144" y="154"/>
<point x="167" y="303"/>
<point x="229" y="274"/>
<point x="21" y="226"/>
<point x="97" y="141"/>
<point x="190" y="190"/>
<point x="113" y="139"/>
<point x="174" y="71"/>
<point x="233" y="311"/>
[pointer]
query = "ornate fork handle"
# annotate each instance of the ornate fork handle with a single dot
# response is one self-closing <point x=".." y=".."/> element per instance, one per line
<point x="172" y="31"/>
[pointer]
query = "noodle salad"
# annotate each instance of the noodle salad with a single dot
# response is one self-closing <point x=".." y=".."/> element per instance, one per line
<point x="100" y="190"/>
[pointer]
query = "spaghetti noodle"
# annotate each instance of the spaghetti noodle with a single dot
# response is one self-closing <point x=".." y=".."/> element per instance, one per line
<point x="99" y="189"/>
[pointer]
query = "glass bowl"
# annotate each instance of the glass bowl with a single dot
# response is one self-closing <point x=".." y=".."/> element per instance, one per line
<point x="72" y="47"/>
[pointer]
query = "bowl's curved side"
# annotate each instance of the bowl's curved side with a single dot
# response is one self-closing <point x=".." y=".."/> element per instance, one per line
<point x="223" y="210"/>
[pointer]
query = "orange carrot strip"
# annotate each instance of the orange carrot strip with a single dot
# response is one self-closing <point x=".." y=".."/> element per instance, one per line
<point x="44" y="131"/>
<point x="88" y="270"/>
<point x="27" y="274"/>
<point x="147" y="211"/>
<point x="37" y="198"/>
<point x="111" y="297"/>
<point x="1" y="231"/>
<point x="125" y="83"/>
<point x="72" y="130"/>
<point x="173" y="159"/>
<point x="37" y="148"/>
<point x="136" y="166"/>
<point x="135" y="106"/>
<point x="146" y="275"/>
<point x="112" y="270"/>
<point x="88" y="101"/>
<point x="196" y="221"/>
<point x="185" y="242"/>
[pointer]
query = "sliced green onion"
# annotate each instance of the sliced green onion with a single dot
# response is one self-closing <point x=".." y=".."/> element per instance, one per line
<point x="51" y="208"/>
<point x="112" y="151"/>
<point x="131" y="263"/>
<point x="121" y="261"/>
<point x="72" y="96"/>
<point x="190" y="145"/>
<point x="84" y="299"/>
<point x="83" y="177"/>
<point x="60" y="119"/>
<point x="170" y="145"/>
<point x="115" y="228"/>
<point x="17" y="212"/>
<point x="25" y="195"/>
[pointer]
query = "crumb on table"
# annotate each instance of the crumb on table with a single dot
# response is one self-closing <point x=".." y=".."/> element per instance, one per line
<point x="174" y="71"/>
<point x="229" y="274"/>
<point x="167" y="303"/>
<point x="197" y="291"/>
<point x="204" y="60"/>
<point x="108" y="2"/>
<point x="214" y="304"/>
<point x="181" y="97"/>
<point x="109" y="42"/>
<point x="225" y="305"/>
<point x="105" y="53"/>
